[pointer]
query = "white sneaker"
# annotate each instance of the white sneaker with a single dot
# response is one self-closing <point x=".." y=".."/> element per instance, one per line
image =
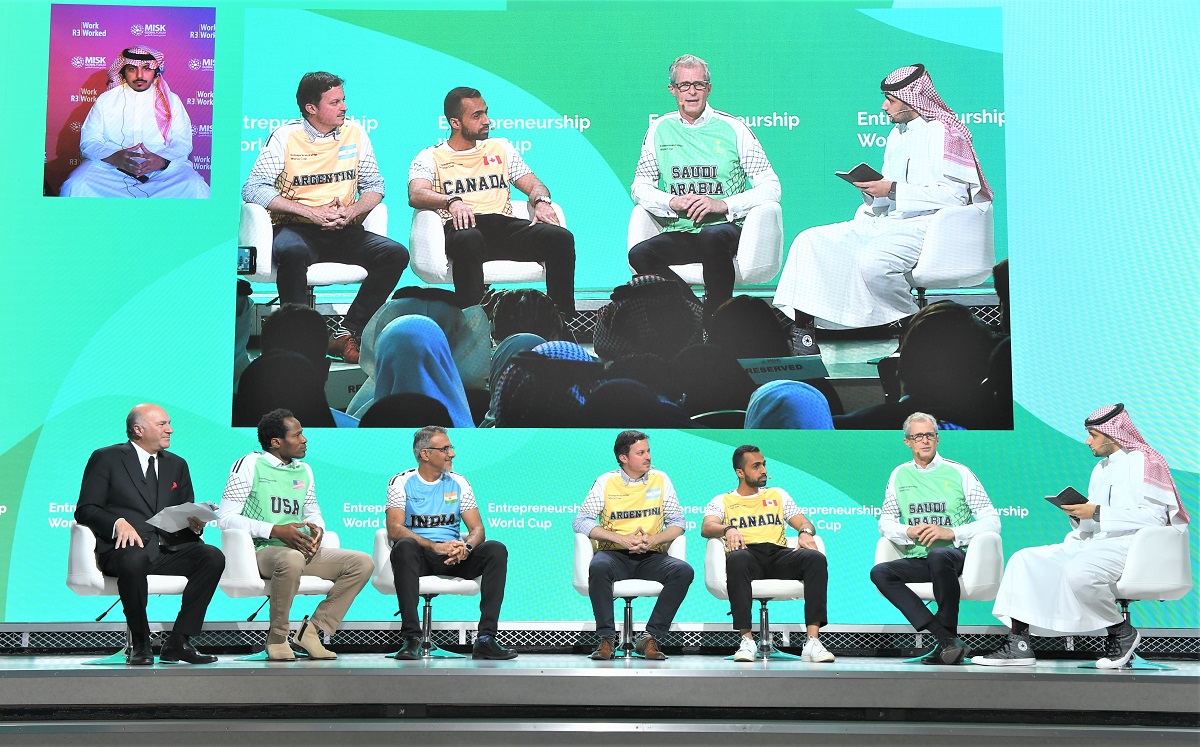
<point x="815" y="651"/>
<point x="747" y="650"/>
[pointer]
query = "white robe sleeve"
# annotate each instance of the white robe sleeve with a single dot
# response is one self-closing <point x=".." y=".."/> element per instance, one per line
<point x="179" y="133"/>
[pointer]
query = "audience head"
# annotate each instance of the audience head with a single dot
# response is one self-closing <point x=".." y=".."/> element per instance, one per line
<point x="788" y="404"/>
<point x="620" y="402"/>
<point x="277" y="379"/>
<point x="649" y="314"/>
<point x="943" y="358"/>
<point x="299" y="329"/>
<point x="527" y="310"/>
<point x="748" y="327"/>
<point x="648" y="369"/>
<point x="711" y="379"/>
<point x="412" y="355"/>
<point x="404" y="410"/>
<point x="539" y="392"/>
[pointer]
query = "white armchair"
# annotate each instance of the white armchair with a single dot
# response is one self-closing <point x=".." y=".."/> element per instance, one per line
<point x="256" y="230"/>
<point x="981" y="574"/>
<point x="760" y="249"/>
<point x="85" y="578"/>
<point x="764" y="590"/>
<point x="428" y="588"/>
<point x="628" y="589"/>
<point x="959" y="250"/>
<point x="427" y="243"/>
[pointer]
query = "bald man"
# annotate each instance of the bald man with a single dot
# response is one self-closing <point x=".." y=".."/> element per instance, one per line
<point x="124" y="485"/>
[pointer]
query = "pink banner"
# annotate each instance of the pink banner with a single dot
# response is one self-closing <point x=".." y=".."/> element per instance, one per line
<point x="85" y="39"/>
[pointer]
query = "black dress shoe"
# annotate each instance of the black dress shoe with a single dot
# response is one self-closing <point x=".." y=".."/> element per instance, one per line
<point x="178" y="648"/>
<point x="410" y="651"/>
<point x="140" y="654"/>
<point x="944" y="655"/>
<point x="487" y="648"/>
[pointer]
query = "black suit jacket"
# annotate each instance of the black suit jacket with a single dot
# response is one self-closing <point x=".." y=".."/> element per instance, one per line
<point x="114" y="487"/>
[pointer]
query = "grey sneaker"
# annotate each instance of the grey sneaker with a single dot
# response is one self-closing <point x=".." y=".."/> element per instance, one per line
<point x="1016" y="652"/>
<point x="804" y="341"/>
<point x="1120" y="648"/>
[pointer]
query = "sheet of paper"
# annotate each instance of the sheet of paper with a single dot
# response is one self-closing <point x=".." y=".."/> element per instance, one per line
<point x="175" y="518"/>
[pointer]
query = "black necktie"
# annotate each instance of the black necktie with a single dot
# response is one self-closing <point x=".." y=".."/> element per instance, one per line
<point x="152" y="479"/>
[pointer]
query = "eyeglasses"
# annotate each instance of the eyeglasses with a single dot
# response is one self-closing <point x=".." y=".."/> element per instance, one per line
<point x="922" y="437"/>
<point x="444" y="449"/>
<point x="687" y="85"/>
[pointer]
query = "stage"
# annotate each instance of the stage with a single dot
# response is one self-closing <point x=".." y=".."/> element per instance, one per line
<point x="566" y="698"/>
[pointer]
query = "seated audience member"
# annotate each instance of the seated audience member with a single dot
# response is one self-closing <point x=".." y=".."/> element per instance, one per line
<point x="466" y="331"/>
<point x="318" y="178"/>
<point x="403" y="410"/>
<point x="563" y="350"/>
<point x="527" y="310"/>
<point x="412" y="355"/>
<point x="943" y="358"/>
<point x="511" y="345"/>
<point x="540" y="392"/>
<point x="626" y="402"/>
<point x="788" y="404"/>
<point x="285" y="380"/>
<point x="137" y="136"/>
<point x="700" y="173"/>
<point x="649" y="314"/>
<point x="243" y="325"/>
<point x="711" y="379"/>
<point x="749" y="328"/>
<point x="467" y="179"/>
<point x="647" y="368"/>
<point x="299" y="328"/>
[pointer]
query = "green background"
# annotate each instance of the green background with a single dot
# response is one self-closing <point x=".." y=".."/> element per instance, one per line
<point x="116" y="302"/>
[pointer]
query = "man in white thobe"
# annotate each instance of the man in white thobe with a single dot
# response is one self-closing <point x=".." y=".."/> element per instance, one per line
<point x="1069" y="588"/>
<point x="852" y="273"/>
<point x="137" y="137"/>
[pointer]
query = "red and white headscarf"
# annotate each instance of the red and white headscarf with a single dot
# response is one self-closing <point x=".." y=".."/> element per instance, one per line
<point x="913" y="86"/>
<point x="1114" y="422"/>
<point x="146" y="57"/>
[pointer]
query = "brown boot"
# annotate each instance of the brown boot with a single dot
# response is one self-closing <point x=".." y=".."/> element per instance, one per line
<point x="604" y="651"/>
<point x="344" y="346"/>
<point x="647" y="648"/>
<point x="309" y="639"/>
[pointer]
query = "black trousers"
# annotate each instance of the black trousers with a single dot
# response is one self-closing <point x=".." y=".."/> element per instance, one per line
<point x="410" y="561"/>
<point x="201" y="564"/>
<point x="505" y="237"/>
<point x="714" y="247"/>
<point x="298" y="245"/>
<point x="943" y="567"/>
<point x="610" y="566"/>
<point x="768" y="560"/>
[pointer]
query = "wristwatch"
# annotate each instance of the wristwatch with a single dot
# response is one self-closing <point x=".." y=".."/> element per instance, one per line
<point x="543" y="198"/>
<point x="809" y="532"/>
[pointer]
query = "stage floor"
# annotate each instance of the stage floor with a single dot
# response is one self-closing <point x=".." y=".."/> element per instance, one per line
<point x="559" y="698"/>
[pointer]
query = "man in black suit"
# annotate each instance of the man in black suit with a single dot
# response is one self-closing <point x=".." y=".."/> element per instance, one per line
<point x="124" y="485"/>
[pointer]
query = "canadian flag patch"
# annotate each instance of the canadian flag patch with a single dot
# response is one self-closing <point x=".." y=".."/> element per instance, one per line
<point x="770" y="502"/>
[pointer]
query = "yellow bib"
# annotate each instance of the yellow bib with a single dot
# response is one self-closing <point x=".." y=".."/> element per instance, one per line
<point x="314" y="173"/>
<point x="628" y="507"/>
<point x="758" y="517"/>
<point x="479" y="177"/>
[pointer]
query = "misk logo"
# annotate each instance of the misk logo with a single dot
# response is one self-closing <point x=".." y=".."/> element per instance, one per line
<point x="91" y="63"/>
<point x="196" y="63"/>
<point x="201" y="130"/>
<point x="148" y="29"/>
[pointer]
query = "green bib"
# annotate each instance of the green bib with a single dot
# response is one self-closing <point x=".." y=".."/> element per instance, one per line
<point x="276" y="496"/>
<point x="698" y="160"/>
<point x="933" y="496"/>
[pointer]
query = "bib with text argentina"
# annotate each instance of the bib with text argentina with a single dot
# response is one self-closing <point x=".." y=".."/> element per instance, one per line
<point x="630" y="507"/>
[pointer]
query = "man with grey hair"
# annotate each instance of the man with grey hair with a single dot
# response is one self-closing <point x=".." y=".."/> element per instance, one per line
<point x="931" y="510"/>
<point x="426" y="507"/>
<point x="696" y="187"/>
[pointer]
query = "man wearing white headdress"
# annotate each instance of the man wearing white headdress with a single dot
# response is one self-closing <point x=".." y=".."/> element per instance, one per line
<point x="852" y="273"/>
<point x="137" y="137"/>
<point x="1070" y="588"/>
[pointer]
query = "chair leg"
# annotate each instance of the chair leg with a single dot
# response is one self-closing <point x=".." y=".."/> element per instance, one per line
<point x="626" y="647"/>
<point x="428" y="649"/>
<point x="766" y="646"/>
<point x="921" y="301"/>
